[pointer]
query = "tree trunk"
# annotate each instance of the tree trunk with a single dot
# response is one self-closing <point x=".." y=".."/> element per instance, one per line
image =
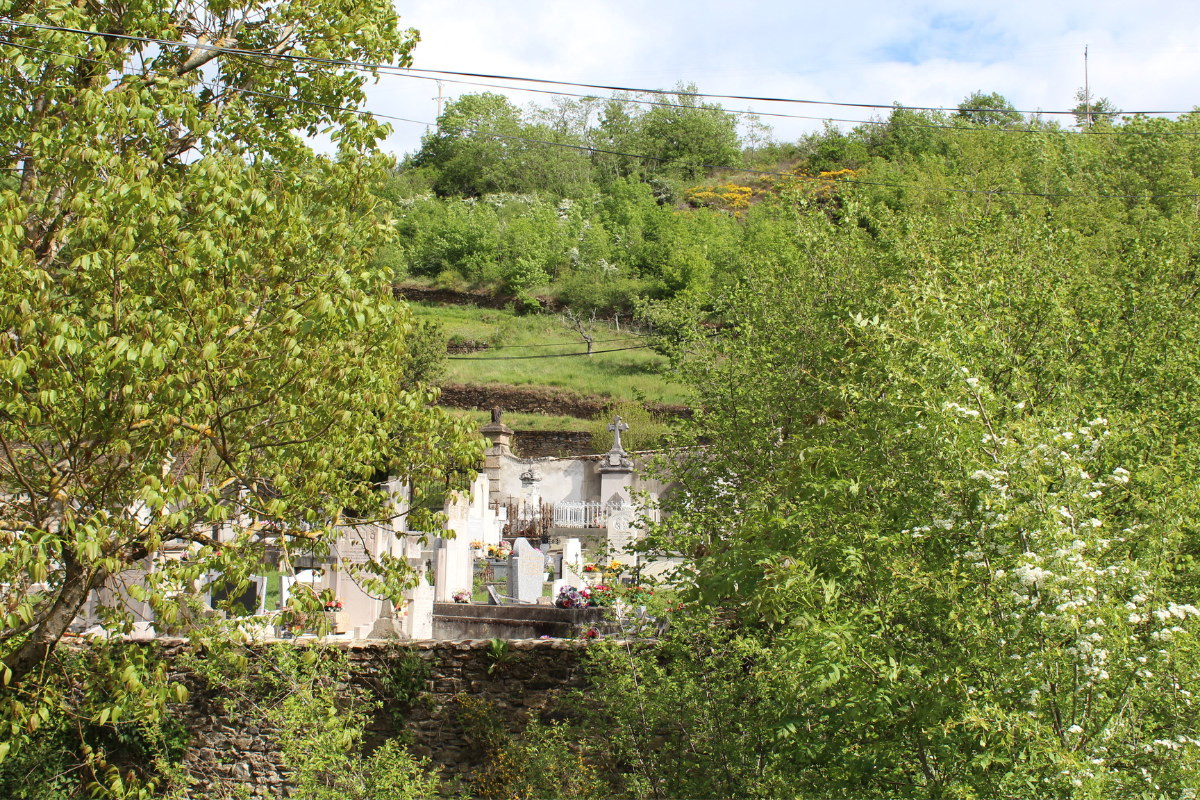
<point x="75" y="587"/>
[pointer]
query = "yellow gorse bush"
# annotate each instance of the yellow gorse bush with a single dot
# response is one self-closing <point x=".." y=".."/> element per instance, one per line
<point x="730" y="196"/>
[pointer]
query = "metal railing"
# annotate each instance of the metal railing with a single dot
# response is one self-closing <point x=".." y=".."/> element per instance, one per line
<point x="583" y="514"/>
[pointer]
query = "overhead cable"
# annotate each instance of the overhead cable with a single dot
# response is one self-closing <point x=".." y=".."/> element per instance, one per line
<point x="592" y="149"/>
<point x="747" y="170"/>
<point x="373" y="67"/>
<point x="549" y="355"/>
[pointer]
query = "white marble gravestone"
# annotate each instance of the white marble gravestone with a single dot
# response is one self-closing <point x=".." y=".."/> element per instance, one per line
<point x="357" y="546"/>
<point x="418" y="621"/>
<point x="621" y="533"/>
<point x="525" y="567"/>
<point x="452" y="568"/>
<point x="452" y="560"/>
<point x="572" y="563"/>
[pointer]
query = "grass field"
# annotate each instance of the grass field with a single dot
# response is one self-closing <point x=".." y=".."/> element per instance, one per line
<point x="631" y="374"/>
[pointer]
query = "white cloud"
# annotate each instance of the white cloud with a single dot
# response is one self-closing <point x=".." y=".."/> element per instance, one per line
<point x="1142" y="56"/>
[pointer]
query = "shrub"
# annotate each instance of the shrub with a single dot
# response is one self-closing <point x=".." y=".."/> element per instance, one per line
<point x="647" y="430"/>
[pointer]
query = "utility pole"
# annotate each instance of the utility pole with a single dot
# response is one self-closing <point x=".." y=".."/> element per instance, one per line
<point x="439" y="99"/>
<point x="1087" y="92"/>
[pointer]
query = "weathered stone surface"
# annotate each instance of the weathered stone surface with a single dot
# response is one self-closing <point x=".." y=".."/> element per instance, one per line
<point x="237" y="748"/>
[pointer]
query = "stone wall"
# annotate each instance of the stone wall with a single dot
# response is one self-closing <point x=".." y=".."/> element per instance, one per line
<point x="240" y="749"/>
<point x="465" y="347"/>
<point x="553" y="444"/>
<point x="538" y="400"/>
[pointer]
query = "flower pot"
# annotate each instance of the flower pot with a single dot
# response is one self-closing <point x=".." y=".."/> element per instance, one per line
<point x="338" y="621"/>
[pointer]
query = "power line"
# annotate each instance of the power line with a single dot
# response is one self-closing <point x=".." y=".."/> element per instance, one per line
<point x="557" y="344"/>
<point x="549" y="355"/>
<point x="748" y="98"/>
<point x="403" y="72"/>
<point x="779" y="115"/>
<point x="592" y="149"/>
<point x="365" y="65"/>
<point x="748" y="170"/>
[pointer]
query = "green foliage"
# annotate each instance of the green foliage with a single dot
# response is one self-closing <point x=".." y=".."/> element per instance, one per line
<point x="321" y="736"/>
<point x="686" y="137"/>
<point x="195" y="334"/>
<point x="988" y="109"/>
<point x="403" y="675"/>
<point x="482" y="728"/>
<point x="694" y="715"/>
<point x="91" y="735"/>
<point x="498" y="656"/>
<point x="951" y="479"/>
<point x="544" y="762"/>
<point x="320" y="742"/>
<point x="426" y="362"/>
<point x="482" y="146"/>
<point x="1095" y="112"/>
<point x="647" y="430"/>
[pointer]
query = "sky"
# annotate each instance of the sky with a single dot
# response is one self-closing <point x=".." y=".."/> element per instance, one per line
<point x="1143" y="56"/>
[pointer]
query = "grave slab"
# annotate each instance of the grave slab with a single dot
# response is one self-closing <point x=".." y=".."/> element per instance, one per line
<point x="525" y="568"/>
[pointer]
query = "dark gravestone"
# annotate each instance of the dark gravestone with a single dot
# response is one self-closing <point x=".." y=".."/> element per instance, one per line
<point x="249" y="599"/>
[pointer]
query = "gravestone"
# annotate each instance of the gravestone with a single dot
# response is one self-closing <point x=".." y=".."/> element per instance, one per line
<point x="418" y="624"/>
<point x="621" y="533"/>
<point x="387" y="626"/>
<point x="525" y="567"/>
<point x="494" y="598"/>
<point x="253" y="599"/>
<point x="572" y="562"/>
<point x="453" y="568"/>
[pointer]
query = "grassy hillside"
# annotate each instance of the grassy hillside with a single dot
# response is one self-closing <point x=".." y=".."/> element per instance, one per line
<point x="512" y="339"/>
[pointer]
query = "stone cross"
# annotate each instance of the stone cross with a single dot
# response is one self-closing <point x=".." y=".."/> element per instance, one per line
<point x="616" y="427"/>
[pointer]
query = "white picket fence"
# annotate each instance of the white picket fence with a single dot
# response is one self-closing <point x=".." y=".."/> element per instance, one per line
<point x="582" y="514"/>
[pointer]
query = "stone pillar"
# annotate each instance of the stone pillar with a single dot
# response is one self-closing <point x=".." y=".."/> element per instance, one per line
<point x="616" y="478"/>
<point x="501" y="438"/>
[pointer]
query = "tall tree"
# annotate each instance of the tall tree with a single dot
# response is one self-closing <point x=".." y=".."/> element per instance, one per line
<point x="191" y="331"/>
<point x="988" y="109"/>
<point x="484" y="145"/>
<point x="951" y="476"/>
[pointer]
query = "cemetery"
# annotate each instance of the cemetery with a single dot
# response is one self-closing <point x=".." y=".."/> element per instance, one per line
<point x="862" y="464"/>
<point x="518" y="548"/>
<point x="519" y="580"/>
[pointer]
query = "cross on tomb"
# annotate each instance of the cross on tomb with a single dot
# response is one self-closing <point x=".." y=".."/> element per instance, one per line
<point x="616" y="427"/>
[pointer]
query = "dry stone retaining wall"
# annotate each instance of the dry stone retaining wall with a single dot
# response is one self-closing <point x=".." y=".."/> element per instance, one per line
<point x="232" y="749"/>
<point x="538" y="400"/>
<point x="553" y="444"/>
